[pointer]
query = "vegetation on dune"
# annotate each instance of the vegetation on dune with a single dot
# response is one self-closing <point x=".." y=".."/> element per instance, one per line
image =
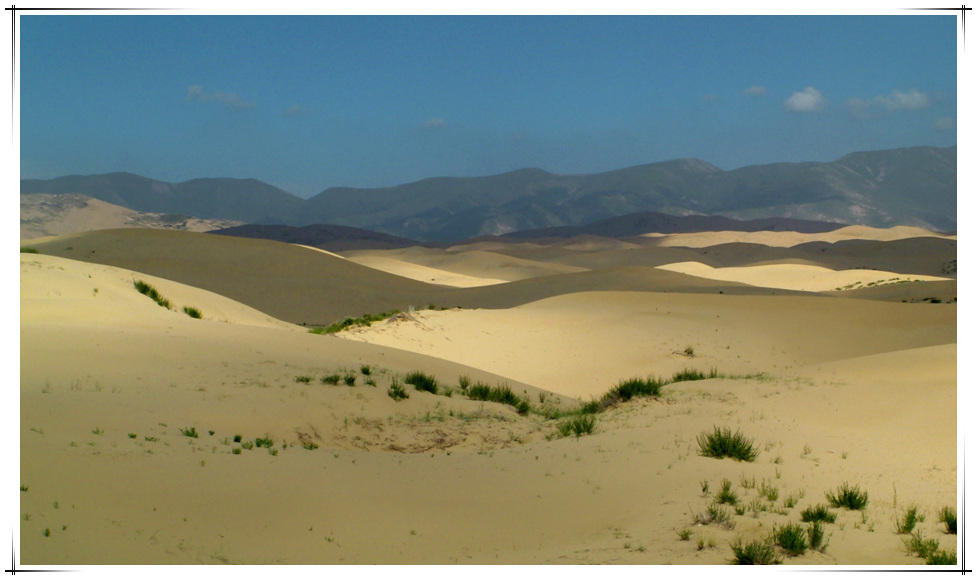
<point x="722" y="442"/>
<point x="848" y="497"/>
<point x="754" y="553"/>
<point x="948" y="517"/>
<point x="148" y="290"/>
<point x="28" y="250"/>
<point x="397" y="392"/>
<point x="818" y="513"/>
<point x="500" y="394"/>
<point x="422" y="382"/>
<point x="192" y="312"/>
<point x="577" y="426"/>
<point x="792" y="538"/>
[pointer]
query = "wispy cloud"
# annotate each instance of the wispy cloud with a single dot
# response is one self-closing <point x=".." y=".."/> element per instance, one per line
<point x="433" y="123"/>
<point x="810" y="100"/>
<point x="755" y="91"/>
<point x="895" y="101"/>
<point x="296" y="111"/>
<point x="196" y="93"/>
<point x="945" y="124"/>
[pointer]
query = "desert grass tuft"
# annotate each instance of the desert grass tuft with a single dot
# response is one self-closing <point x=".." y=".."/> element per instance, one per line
<point x="754" y="553"/>
<point x="792" y="538"/>
<point x="500" y="394"/>
<point x="815" y="537"/>
<point x="28" y="250"/>
<point x="726" y="494"/>
<point x="818" y="513"/>
<point x="397" y="391"/>
<point x="848" y="497"/>
<point x="303" y="379"/>
<point x="332" y="379"/>
<point x="907" y="522"/>
<point x="942" y="558"/>
<point x="148" y="290"/>
<point x="422" y="382"/>
<point x="915" y="544"/>
<point x="192" y="312"/>
<point x="577" y="426"/>
<point x="350" y="321"/>
<point x="190" y="432"/>
<point x="948" y="517"/>
<point x="724" y="443"/>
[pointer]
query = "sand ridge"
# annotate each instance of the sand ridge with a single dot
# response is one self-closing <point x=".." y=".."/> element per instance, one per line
<point x="788" y="239"/>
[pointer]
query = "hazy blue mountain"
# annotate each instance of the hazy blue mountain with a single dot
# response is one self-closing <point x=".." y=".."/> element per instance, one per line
<point x="911" y="186"/>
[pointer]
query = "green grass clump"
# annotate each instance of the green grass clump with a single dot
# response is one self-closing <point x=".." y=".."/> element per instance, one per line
<point x="815" y="537"/>
<point x="349" y="379"/>
<point x="726" y="494"/>
<point x="303" y="379"/>
<point x="148" y="290"/>
<point x="28" y="250"/>
<point x="792" y="538"/>
<point x="818" y="513"/>
<point x="500" y="394"/>
<point x="915" y="544"/>
<point x="349" y="321"/>
<point x="693" y="375"/>
<point x="264" y="442"/>
<point x="948" y="516"/>
<point x="908" y="521"/>
<point x="397" y="392"/>
<point x="366" y="370"/>
<point x="754" y="553"/>
<point x="190" y="432"/>
<point x="310" y="445"/>
<point x="422" y="382"/>
<point x="942" y="558"/>
<point x="577" y="426"/>
<point x="192" y="312"/>
<point x="724" y="443"/>
<point x="848" y="497"/>
<point x="332" y="379"/>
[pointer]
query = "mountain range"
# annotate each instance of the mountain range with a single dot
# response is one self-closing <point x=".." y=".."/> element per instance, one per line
<point x="914" y="186"/>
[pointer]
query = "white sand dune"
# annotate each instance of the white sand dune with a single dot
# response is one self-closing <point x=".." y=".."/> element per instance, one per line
<point x="790" y="239"/>
<point x="423" y="273"/>
<point x="803" y="277"/>
<point x="476" y="265"/>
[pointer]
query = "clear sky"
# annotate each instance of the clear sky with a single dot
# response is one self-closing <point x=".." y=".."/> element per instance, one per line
<point x="310" y="102"/>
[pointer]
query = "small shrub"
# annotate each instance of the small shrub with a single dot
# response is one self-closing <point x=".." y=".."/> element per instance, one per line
<point x="422" y="382"/>
<point x="948" y="516"/>
<point x="264" y="442"/>
<point x="693" y="375"/>
<point x="724" y="443"/>
<point x="580" y="425"/>
<point x="815" y="537"/>
<point x="330" y="379"/>
<point x="190" y="432"/>
<point x="726" y="494"/>
<point x="754" y="553"/>
<point x="236" y="451"/>
<point x="132" y="436"/>
<point x="500" y="394"/>
<point x="237" y="438"/>
<point x="464" y="382"/>
<point x="397" y="392"/>
<point x="28" y="250"/>
<point x="349" y="379"/>
<point x="303" y="379"/>
<point x="685" y="534"/>
<point x="247" y="445"/>
<point x="689" y="351"/>
<point x="915" y="544"/>
<point x="907" y="522"/>
<point x="942" y="558"/>
<point x="848" y="497"/>
<point x="192" y="312"/>
<point x="715" y="514"/>
<point x="366" y="370"/>
<point x="151" y="292"/>
<point x="310" y="445"/>
<point x="792" y="538"/>
<point x="818" y="513"/>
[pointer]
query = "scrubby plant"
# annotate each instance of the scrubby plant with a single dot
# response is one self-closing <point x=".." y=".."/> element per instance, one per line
<point x="815" y="537"/>
<point x="579" y="425"/>
<point x="724" y="443"/>
<point x="366" y="370"/>
<point x="148" y="290"/>
<point x="237" y="438"/>
<point x="28" y="250"/>
<point x="397" y="391"/>
<point x="685" y="534"/>
<point x="915" y="544"/>
<point x="133" y="435"/>
<point x="948" y="517"/>
<point x="818" y="513"/>
<point x="791" y="538"/>
<point x="303" y="379"/>
<point x="726" y="494"/>
<point x="349" y="321"/>
<point x="236" y="451"/>
<point x="192" y="312"/>
<point x="693" y="375"/>
<point x="264" y="442"/>
<point x="714" y="514"/>
<point x="464" y="381"/>
<point x="349" y="379"/>
<point x="942" y="558"/>
<point x="907" y="522"/>
<point x="247" y="445"/>
<point x="310" y="445"/>
<point x="756" y="553"/>
<point x="849" y="497"/>
<point x="422" y="382"/>
<point x="332" y="379"/>
<point x="190" y="432"/>
<point x="500" y="394"/>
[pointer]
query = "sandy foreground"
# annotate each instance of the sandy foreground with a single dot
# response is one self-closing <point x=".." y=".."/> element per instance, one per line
<point x="831" y="389"/>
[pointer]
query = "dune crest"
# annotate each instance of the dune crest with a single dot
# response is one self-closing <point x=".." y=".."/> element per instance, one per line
<point x="791" y="239"/>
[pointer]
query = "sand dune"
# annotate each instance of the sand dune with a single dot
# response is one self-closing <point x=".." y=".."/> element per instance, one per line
<point x="802" y="277"/>
<point x="843" y="390"/>
<point x="422" y="273"/>
<point x="789" y="239"/>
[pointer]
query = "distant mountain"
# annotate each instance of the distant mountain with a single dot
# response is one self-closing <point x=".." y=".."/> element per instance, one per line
<point x="645" y="222"/>
<point x="913" y="186"/>
<point x="246" y="200"/>
<point x="323" y="236"/>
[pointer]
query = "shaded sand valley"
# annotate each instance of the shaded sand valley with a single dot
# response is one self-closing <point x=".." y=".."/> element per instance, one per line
<point x="152" y="437"/>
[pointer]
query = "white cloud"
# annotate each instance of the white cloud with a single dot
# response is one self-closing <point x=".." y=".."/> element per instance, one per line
<point x="755" y="91"/>
<point x="908" y="101"/>
<point x="196" y="93"/>
<point x="945" y="124"/>
<point x="433" y="123"/>
<point x="810" y="100"/>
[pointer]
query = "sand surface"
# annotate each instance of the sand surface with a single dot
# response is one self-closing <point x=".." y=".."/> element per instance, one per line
<point x="831" y="387"/>
<point x="789" y="239"/>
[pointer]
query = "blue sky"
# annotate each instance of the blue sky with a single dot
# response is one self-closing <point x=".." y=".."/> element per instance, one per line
<point x="310" y="102"/>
